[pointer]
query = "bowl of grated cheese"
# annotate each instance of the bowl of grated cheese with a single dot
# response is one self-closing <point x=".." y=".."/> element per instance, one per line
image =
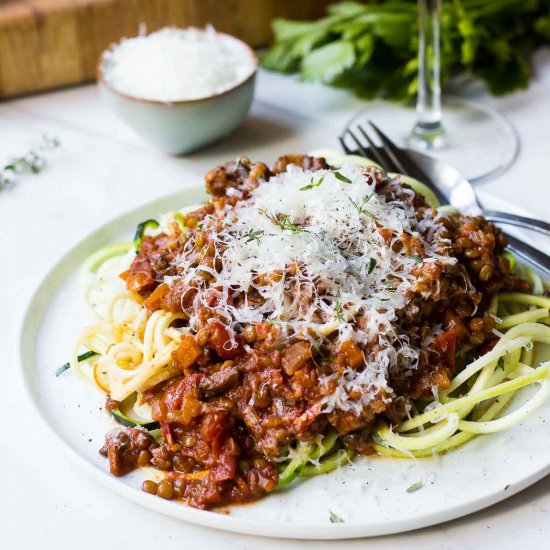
<point x="180" y="89"/>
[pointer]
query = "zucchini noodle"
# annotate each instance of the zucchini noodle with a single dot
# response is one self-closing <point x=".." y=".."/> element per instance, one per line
<point x="479" y="393"/>
<point x="457" y="418"/>
<point x="134" y="347"/>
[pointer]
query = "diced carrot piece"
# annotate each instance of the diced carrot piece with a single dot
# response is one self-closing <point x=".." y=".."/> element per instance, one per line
<point x="353" y="353"/>
<point x="296" y="356"/>
<point x="441" y="379"/>
<point x="187" y="353"/>
<point x="452" y="320"/>
<point x="154" y="301"/>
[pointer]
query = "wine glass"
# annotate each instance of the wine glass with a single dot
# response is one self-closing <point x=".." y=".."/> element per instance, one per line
<point x="480" y="142"/>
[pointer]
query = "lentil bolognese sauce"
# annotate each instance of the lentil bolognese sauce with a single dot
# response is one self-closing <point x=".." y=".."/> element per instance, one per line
<point x="303" y="315"/>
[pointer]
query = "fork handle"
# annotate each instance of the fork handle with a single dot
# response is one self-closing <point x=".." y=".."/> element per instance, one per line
<point x="519" y="221"/>
<point x="530" y="254"/>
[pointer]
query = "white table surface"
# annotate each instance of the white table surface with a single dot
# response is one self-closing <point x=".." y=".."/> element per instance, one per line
<point x="102" y="170"/>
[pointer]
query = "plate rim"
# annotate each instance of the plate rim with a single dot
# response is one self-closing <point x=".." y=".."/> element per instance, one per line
<point x="26" y="346"/>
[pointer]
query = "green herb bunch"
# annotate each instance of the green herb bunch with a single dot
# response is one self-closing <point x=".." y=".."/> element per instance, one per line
<point x="372" y="47"/>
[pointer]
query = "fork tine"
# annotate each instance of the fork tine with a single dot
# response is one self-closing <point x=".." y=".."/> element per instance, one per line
<point x="384" y="160"/>
<point x="390" y="149"/>
<point x="360" y="146"/>
<point x="346" y="149"/>
<point x="364" y="152"/>
<point x="409" y="166"/>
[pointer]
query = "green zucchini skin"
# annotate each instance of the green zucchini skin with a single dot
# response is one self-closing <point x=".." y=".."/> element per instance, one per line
<point x="80" y="358"/>
<point x="140" y="231"/>
<point x="129" y="423"/>
<point x="120" y="417"/>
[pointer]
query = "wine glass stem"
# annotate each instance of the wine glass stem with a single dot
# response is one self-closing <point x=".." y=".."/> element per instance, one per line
<point x="428" y="131"/>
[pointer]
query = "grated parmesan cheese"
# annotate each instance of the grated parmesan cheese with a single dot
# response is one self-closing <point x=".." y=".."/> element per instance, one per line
<point x="320" y="233"/>
<point x="174" y="64"/>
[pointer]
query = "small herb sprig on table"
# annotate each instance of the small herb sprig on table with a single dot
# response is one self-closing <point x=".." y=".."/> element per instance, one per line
<point x="32" y="162"/>
<point x="372" y="47"/>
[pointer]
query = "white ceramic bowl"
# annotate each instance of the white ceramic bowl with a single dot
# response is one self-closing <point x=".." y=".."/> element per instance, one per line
<point x="182" y="126"/>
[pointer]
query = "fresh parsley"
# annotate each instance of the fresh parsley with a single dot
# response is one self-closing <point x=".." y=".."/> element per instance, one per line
<point x="417" y="258"/>
<point x="372" y="47"/>
<point x="334" y="518"/>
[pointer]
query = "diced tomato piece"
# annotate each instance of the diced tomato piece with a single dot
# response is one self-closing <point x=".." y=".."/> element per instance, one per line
<point x="225" y="346"/>
<point x="445" y="345"/>
<point x="176" y="391"/>
<point x="139" y="281"/>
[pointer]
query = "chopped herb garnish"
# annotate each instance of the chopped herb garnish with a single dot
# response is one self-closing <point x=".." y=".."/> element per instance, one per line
<point x="360" y="207"/>
<point x="341" y="177"/>
<point x="500" y="363"/>
<point x="318" y="351"/>
<point x="313" y="184"/>
<point x="339" y="312"/>
<point x="283" y="221"/>
<point x="334" y="518"/>
<point x="253" y="235"/>
<point x="274" y="321"/>
<point x="415" y="486"/>
<point x="417" y="258"/>
<point x="372" y="265"/>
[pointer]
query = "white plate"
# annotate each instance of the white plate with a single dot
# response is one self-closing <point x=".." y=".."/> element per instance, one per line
<point x="369" y="495"/>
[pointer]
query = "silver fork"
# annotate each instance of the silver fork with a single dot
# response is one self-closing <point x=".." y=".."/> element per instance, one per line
<point x="448" y="187"/>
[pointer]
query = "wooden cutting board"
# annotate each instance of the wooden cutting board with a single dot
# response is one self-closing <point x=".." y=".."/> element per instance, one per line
<point x="51" y="43"/>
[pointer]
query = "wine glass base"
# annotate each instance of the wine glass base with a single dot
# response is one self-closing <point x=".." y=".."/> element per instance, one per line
<point x="477" y="140"/>
<point x="427" y="137"/>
